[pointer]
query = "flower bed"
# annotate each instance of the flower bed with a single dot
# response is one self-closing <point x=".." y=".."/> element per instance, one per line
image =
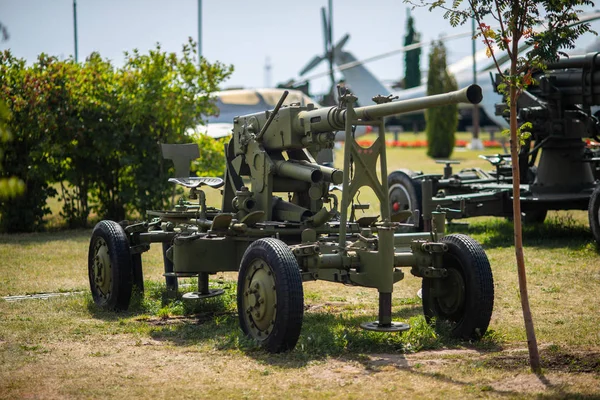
<point x="423" y="143"/>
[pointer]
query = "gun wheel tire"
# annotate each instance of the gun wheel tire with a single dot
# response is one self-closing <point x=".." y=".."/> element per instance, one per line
<point x="594" y="214"/>
<point x="404" y="194"/>
<point x="270" y="297"/>
<point x="465" y="298"/>
<point x="110" y="266"/>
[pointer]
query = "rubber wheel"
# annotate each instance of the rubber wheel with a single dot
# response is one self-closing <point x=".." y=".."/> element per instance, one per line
<point x="404" y="193"/>
<point x="594" y="214"/>
<point x="270" y="297"/>
<point x="465" y="298"/>
<point x="110" y="266"/>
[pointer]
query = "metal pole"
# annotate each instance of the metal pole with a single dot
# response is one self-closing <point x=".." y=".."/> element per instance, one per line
<point x="75" y="27"/>
<point x="330" y="51"/>
<point x="475" y="121"/>
<point x="199" y="30"/>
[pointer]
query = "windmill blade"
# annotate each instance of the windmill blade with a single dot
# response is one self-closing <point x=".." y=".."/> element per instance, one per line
<point x="386" y="54"/>
<point x="338" y="47"/>
<point x="583" y="18"/>
<point x="312" y="64"/>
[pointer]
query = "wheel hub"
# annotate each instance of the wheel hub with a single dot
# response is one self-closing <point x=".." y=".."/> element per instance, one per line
<point x="102" y="276"/>
<point x="399" y="197"/>
<point x="260" y="299"/>
<point x="452" y="295"/>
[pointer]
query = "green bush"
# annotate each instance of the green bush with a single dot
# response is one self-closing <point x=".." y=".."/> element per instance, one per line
<point x="441" y="122"/>
<point x="212" y="156"/>
<point x="95" y="130"/>
<point x="10" y="186"/>
<point x="28" y="95"/>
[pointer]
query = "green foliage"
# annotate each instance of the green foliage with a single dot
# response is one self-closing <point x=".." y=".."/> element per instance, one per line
<point x="212" y="156"/>
<point x="26" y="156"/>
<point x="412" y="58"/>
<point x="164" y="97"/>
<point x="95" y="130"/>
<point x="9" y="186"/>
<point x="517" y="23"/>
<point x="441" y="121"/>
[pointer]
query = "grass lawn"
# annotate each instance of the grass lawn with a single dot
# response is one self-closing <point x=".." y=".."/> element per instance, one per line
<point x="64" y="347"/>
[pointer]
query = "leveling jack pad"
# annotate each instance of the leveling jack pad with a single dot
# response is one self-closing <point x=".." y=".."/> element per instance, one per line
<point x="393" y="327"/>
<point x="199" y="295"/>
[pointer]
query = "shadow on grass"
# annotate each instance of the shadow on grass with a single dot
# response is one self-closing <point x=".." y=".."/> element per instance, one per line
<point x="327" y="331"/>
<point x="560" y="231"/>
<point x="553" y="358"/>
<point x="155" y="303"/>
<point x="550" y="391"/>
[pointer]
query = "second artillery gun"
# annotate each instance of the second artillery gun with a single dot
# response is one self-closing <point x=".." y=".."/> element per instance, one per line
<point x="277" y="243"/>
<point x="559" y="169"/>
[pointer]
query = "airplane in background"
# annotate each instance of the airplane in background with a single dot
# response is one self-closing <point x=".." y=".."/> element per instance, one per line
<point x="365" y="85"/>
<point x="237" y="102"/>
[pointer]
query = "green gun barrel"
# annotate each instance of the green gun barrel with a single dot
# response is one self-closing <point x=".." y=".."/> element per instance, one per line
<point x="333" y="118"/>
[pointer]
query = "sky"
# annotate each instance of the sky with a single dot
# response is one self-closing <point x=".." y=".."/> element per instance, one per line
<point x="244" y="33"/>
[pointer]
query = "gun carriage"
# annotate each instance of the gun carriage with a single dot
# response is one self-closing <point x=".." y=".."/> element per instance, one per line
<point x="278" y="243"/>
<point x="559" y="169"/>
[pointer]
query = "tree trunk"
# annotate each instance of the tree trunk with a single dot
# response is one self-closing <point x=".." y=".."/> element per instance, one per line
<point x="534" y="356"/>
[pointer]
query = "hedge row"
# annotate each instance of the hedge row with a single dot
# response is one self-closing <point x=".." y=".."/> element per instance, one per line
<point x="93" y="130"/>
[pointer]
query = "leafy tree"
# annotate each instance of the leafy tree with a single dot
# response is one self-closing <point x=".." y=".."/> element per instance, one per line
<point x="441" y="121"/>
<point x="26" y="156"/>
<point x="412" y="58"/>
<point x="94" y="131"/>
<point x="10" y="186"/>
<point x="212" y="156"/>
<point x="517" y="23"/>
<point x="164" y="96"/>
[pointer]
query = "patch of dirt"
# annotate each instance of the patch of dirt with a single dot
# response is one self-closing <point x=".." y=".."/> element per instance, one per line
<point x="330" y="307"/>
<point x="564" y="361"/>
<point x="570" y="361"/>
<point x="326" y="304"/>
<point x="377" y="361"/>
<point x="443" y="353"/>
<point x="196" y="319"/>
<point x="187" y="320"/>
<point x="343" y="372"/>
<point x="524" y="383"/>
<point x="430" y="358"/>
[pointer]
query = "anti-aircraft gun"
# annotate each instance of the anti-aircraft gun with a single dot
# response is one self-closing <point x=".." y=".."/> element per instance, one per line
<point x="559" y="169"/>
<point x="277" y="243"/>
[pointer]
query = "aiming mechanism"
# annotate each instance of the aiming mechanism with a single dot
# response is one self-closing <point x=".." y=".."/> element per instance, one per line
<point x="277" y="242"/>
<point x="559" y="170"/>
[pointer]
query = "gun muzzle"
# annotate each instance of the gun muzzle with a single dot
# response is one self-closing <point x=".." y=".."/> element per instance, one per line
<point x="298" y="171"/>
<point x="471" y="94"/>
<point x="332" y="175"/>
<point x="286" y="211"/>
